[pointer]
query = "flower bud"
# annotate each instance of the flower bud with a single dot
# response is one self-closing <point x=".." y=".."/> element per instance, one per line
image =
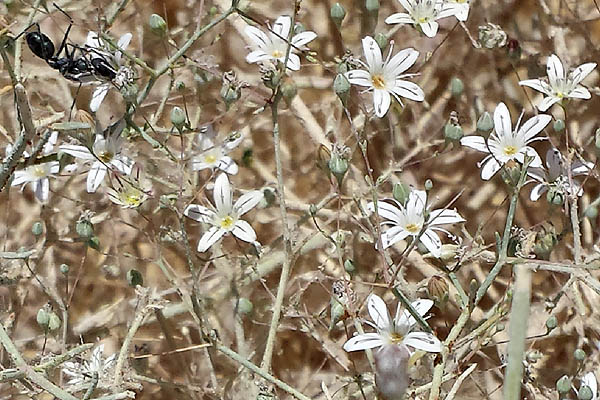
<point x="289" y="90"/>
<point x="485" y="123"/>
<point x="338" y="164"/>
<point x="428" y="184"/>
<point x="563" y="385"/>
<point x="244" y="306"/>
<point x="559" y="125"/>
<point x="453" y="133"/>
<point x="591" y="212"/>
<point x="54" y="322"/>
<point x="349" y="267"/>
<point x="337" y="13"/>
<point x="372" y="6"/>
<point x="337" y="312"/>
<point x="43" y="318"/>
<point x="585" y="393"/>
<point x="84" y="227"/>
<point x="400" y="192"/>
<point x="178" y="118"/>
<point x="551" y="323"/>
<point x="64" y="269"/>
<point x="94" y="243"/>
<point x="555" y="196"/>
<point x="381" y="40"/>
<point x="579" y="354"/>
<point x="456" y="87"/>
<point x="437" y="290"/>
<point x="158" y="26"/>
<point x="37" y="228"/>
<point x="134" y="278"/>
<point x="341" y="87"/>
<point x="511" y="173"/>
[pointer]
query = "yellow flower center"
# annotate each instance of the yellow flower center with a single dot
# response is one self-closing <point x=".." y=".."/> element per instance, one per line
<point x="38" y="171"/>
<point x="227" y="222"/>
<point x="560" y="95"/>
<point x="132" y="199"/>
<point x="277" y="54"/>
<point x="422" y="20"/>
<point x="210" y="159"/>
<point x="105" y="156"/>
<point x="510" y="150"/>
<point x="396" y="338"/>
<point x="413" y="228"/>
<point x="378" y="81"/>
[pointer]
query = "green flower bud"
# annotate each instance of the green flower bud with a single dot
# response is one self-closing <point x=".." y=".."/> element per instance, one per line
<point x="551" y="323"/>
<point x="456" y="87"/>
<point x="84" y="228"/>
<point x="559" y="125"/>
<point x="381" y="40"/>
<point x="158" y="26"/>
<point x="591" y="212"/>
<point x="94" y="243"/>
<point x="338" y="165"/>
<point x="54" y="322"/>
<point x="585" y="393"/>
<point x="579" y="354"/>
<point x="178" y="118"/>
<point x="555" y="196"/>
<point x="244" y="306"/>
<point x="428" y="184"/>
<point x="64" y="269"/>
<point x="337" y="13"/>
<point x="337" y="312"/>
<point x="453" y="133"/>
<point x="349" y="267"/>
<point x="37" y="228"/>
<point x="341" y="87"/>
<point x="213" y="11"/>
<point x="43" y="318"/>
<point x="129" y="93"/>
<point x="134" y="278"/>
<point x="563" y="385"/>
<point x="289" y="90"/>
<point x="401" y="191"/>
<point x="372" y="6"/>
<point x="485" y="123"/>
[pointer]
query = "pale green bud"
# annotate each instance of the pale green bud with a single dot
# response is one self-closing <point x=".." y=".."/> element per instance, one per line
<point x="54" y="322"/>
<point x="341" y="87"/>
<point x="485" y="123"/>
<point x="551" y="323"/>
<point x="559" y="125"/>
<point x="84" y="228"/>
<point x="585" y="393"/>
<point x="579" y="354"/>
<point x="178" y="118"/>
<point x="372" y="5"/>
<point x="555" y="196"/>
<point x="158" y="25"/>
<point x="401" y="191"/>
<point x="453" y="133"/>
<point x="428" y="184"/>
<point x="43" y="318"/>
<point x="456" y="87"/>
<point x="381" y="40"/>
<point x="64" y="269"/>
<point x="591" y="212"/>
<point x="244" y="306"/>
<point x="349" y="267"/>
<point x="37" y="228"/>
<point x="289" y="90"/>
<point x="563" y="385"/>
<point x="338" y="13"/>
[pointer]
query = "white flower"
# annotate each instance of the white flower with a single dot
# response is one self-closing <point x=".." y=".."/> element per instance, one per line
<point x="504" y="144"/>
<point x="38" y="174"/>
<point x="560" y="85"/>
<point x="274" y="45"/>
<point x="131" y="193"/>
<point x="395" y="331"/>
<point x="122" y="74"/>
<point x="385" y="77"/>
<point x="105" y="154"/>
<point x="215" y="156"/>
<point x="408" y="220"/>
<point x="226" y="215"/>
<point x="422" y="13"/>
<point x="81" y="373"/>
<point x="557" y="175"/>
<point x="459" y="8"/>
<point x="589" y="380"/>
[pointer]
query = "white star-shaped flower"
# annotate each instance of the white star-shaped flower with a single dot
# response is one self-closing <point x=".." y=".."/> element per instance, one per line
<point x="560" y="85"/>
<point x="38" y="174"/>
<point x="215" y="155"/>
<point x="122" y="74"/>
<point x="408" y="220"/>
<point x="557" y="175"/>
<point x="395" y="331"/>
<point x="274" y="45"/>
<point x="504" y="144"/>
<point x="422" y="14"/>
<point x="225" y="217"/>
<point x="105" y="154"/>
<point x="459" y="8"/>
<point x="384" y="77"/>
<point x="81" y="373"/>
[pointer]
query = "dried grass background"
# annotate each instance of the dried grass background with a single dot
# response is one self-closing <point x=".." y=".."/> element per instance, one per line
<point x="407" y="145"/>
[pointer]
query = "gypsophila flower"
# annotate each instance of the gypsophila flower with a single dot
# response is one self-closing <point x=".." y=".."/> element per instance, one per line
<point x="105" y="154"/>
<point x="274" y="45"/>
<point x="111" y="60"/>
<point x="38" y="174"/>
<point x="459" y="8"/>
<point x="559" y="85"/>
<point x="422" y="14"/>
<point x="557" y="175"/>
<point x="130" y="193"/>
<point x="225" y="217"/>
<point x="504" y="144"/>
<point x="215" y="155"/>
<point x="395" y="331"/>
<point x="409" y="220"/>
<point x="590" y="381"/>
<point x="384" y="78"/>
<point x="81" y="373"/>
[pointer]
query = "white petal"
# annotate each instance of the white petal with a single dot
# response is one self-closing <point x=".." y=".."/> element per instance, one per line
<point x="41" y="189"/>
<point x="417" y="199"/>
<point x="489" y="169"/>
<point x="387" y="211"/>
<point x="547" y="102"/>
<point x="293" y="62"/>
<point x="363" y="342"/>
<point x="198" y="213"/>
<point x="258" y="37"/>
<point x="432" y="242"/>
<point x="475" y="142"/>
<point x="554" y="162"/>
<point x="381" y="102"/>
<point x="93" y="40"/>
<point x="53" y="167"/>
<point x="533" y="126"/>
<point x="399" y="18"/>
<point x="554" y="69"/>
<point x="378" y="312"/>
<point x="247" y="201"/>
<point x="393" y="236"/>
<point x="402" y="61"/>
<point x="429" y="28"/>
<point x="423" y="341"/>
<point x="124" y="41"/>
<point x="444" y="217"/>
<point x="580" y="93"/>
<point x="581" y="72"/>
<point x="20" y="177"/>
<point x="257" y="56"/>
<point x="226" y="164"/>
<point x="405" y="319"/>
<point x="537" y="192"/>
<point x="531" y="152"/>
<point x="222" y="193"/>
<point x="123" y="164"/>
<point x="282" y="26"/>
<point x="303" y="38"/>
<point x="77" y="151"/>
<point x="209" y="238"/>
<point x="98" y="96"/>
<point x="244" y="231"/>
<point x="502" y="122"/>
<point x="95" y="176"/>
<point x="409" y="90"/>
<point x="359" y="77"/>
<point x="408" y="5"/>
<point x="536" y="84"/>
<point x="590" y="381"/>
<point x="372" y="52"/>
